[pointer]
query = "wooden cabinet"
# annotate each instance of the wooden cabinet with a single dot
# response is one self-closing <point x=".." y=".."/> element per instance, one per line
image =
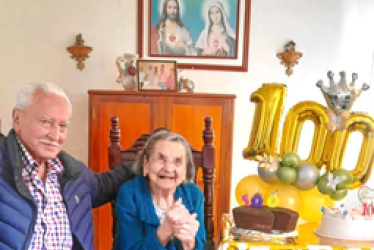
<point x="142" y="112"/>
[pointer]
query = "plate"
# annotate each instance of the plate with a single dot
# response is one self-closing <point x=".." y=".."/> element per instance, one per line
<point x="344" y="243"/>
<point x="326" y="235"/>
<point x="256" y="236"/>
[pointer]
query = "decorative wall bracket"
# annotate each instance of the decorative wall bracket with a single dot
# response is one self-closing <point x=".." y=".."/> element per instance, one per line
<point x="79" y="51"/>
<point x="289" y="57"/>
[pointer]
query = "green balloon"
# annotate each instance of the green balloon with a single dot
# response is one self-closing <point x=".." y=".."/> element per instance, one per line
<point x="322" y="185"/>
<point x="345" y="176"/>
<point x="286" y="175"/>
<point x="339" y="194"/>
<point x="290" y="159"/>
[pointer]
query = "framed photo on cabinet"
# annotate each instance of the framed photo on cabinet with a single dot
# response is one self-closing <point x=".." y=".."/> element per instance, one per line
<point x="209" y="34"/>
<point x="160" y="75"/>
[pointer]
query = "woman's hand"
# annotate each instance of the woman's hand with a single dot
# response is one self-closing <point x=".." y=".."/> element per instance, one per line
<point x="177" y="212"/>
<point x="179" y="223"/>
<point x="186" y="229"/>
<point x="174" y="215"/>
<point x="164" y="232"/>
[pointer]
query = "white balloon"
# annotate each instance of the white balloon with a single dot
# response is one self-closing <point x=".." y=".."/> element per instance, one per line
<point x="268" y="174"/>
<point x="307" y="176"/>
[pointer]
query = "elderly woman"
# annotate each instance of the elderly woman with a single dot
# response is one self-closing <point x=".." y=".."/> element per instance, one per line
<point x="161" y="208"/>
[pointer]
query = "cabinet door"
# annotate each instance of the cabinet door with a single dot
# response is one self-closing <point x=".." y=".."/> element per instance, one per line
<point x="141" y="113"/>
<point x="137" y="115"/>
<point x="186" y="117"/>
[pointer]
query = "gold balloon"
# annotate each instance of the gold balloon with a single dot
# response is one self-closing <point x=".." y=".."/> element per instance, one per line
<point x="312" y="201"/>
<point x="289" y="196"/>
<point x="293" y="124"/>
<point x="328" y="146"/>
<point x="250" y="185"/>
<point x="269" y="100"/>
<point x="357" y="122"/>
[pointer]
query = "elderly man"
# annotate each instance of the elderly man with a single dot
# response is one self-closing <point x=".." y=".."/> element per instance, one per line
<point x="46" y="195"/>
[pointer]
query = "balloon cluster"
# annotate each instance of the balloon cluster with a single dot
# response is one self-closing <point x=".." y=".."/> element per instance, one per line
<point x="279" y="195"/>
<point x="327" y="147"/>
<point x="303" y="175"/>
<point x="333" y="125"/>
<point x="334" y="183"/>
<point x="307" y="203"/>
<point x="290" y="170"/>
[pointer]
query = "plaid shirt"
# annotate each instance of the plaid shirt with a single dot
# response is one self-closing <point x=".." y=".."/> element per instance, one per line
<point x="52" y="227"/>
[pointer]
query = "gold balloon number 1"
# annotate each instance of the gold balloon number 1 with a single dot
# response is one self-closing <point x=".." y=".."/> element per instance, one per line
<point x="327" y="147"/>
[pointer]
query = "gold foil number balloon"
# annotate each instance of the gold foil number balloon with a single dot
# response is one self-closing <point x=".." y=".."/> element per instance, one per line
<point x="295" y="119"/>
<point x="357" y="122"/>
<point x="327" y="148"/>
<point x="269" y="104"/>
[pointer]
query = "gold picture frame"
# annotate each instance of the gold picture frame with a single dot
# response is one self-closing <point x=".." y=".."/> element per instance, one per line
<point x="157" y="75"/>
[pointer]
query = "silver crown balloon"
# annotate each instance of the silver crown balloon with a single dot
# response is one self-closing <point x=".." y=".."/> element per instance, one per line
<point x="340" y="98"/>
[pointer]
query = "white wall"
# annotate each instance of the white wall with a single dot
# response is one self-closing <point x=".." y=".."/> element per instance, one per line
<point x="332" y="34"/>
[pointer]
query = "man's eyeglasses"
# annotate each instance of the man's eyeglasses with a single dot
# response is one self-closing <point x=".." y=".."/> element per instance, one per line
<point x="49" y="123"/>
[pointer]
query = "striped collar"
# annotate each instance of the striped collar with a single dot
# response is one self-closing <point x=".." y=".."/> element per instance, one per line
<point x="54" y="166"/>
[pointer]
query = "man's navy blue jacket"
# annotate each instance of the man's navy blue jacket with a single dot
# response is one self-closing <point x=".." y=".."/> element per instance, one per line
<point x="81" y="189"/>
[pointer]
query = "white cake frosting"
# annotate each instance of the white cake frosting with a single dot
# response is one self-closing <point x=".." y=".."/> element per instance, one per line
<point x="346" y="224"/>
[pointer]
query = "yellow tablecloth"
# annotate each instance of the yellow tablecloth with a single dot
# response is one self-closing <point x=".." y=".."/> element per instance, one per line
<point x="306" y="240"/>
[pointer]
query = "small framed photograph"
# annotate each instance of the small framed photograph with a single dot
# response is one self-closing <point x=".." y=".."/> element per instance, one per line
<point x="160" y="75"/>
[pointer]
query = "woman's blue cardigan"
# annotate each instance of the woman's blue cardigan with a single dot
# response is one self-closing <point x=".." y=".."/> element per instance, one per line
<point x="137" y="219"/>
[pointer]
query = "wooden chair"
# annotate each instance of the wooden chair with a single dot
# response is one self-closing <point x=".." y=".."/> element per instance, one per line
<point x="204" y="159"/>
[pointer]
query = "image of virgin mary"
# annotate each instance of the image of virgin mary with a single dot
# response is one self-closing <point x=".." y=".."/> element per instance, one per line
<point x="217" y="38"/>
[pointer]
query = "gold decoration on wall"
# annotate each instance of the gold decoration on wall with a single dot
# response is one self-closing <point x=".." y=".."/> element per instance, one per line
<point x="289" y="57"/>
<point x="79" y="51"/>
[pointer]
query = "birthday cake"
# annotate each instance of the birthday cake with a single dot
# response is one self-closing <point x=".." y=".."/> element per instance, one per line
<point x="265" y="219"/>
<point x="347" y="224"/>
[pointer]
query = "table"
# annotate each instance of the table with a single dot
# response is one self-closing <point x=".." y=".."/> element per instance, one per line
<point x="306" y="240"/>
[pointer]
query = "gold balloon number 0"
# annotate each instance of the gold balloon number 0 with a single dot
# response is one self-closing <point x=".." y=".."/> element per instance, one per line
<point x="327" y="147"/>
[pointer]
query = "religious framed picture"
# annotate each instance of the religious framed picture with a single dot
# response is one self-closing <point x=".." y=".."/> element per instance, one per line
<point x="199" y="34"/>
<point x="159" y="75"/>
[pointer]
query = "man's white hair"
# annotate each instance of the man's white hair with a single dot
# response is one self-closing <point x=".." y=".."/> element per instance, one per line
<point x="25" y="94"/>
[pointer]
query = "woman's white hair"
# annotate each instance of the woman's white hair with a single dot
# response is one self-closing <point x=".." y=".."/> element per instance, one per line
<point x="25" y="94"/>
<point x="148" y="149"/>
